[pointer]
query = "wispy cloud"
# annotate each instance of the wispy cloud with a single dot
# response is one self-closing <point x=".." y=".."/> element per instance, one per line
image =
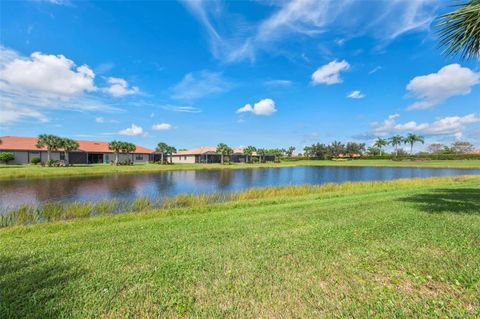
<point x="278" y="83"/>
<point x="181" y="108"/>
<point x="356" y="95"/>
<point x="238" y="39"/>
<point x="200" y="84"/>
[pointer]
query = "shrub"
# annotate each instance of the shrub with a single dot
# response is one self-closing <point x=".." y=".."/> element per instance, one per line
<point x="35" y="160"/>
<point x="6" y="157"/>
<point x="53" y="163"/>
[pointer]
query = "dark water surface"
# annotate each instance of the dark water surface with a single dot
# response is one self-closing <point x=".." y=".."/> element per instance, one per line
<point x="14" y="193"/>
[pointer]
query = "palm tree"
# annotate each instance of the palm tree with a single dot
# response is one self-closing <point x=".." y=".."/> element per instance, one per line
<point x="52" y="142"/>
<point x="395" y="141"/>
<point x="460" y="30"/>
<point x="162" y="148"/>
<point x="116" y="147"/>
<point x="248" y="151"/>
<point x="170" y="151"/>
<point x="380" y="143"/>
<point x="69" y="145"/>
<point x="128" y="148"/>
<point x="412" y="139"/>
<point x="261" y="153"/>
<point x="223" y="149"/>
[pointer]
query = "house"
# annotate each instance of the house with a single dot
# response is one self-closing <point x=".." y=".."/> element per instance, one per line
<point x="208" y="154"/>
<point x="89" y="152"/>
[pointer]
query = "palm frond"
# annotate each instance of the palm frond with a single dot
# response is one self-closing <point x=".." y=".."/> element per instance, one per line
<point x="460" y="30"/>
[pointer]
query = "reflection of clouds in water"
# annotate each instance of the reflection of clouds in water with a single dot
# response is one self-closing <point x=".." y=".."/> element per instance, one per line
<point x="159" y="185"/>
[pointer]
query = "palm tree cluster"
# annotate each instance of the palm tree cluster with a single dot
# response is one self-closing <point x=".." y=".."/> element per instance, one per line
<point x="165" y="150"/>
<point x="396" y="141"/>
<point x="121" y="147"/>
<point x="54" y="143"/>
<point x="334" y="149"/>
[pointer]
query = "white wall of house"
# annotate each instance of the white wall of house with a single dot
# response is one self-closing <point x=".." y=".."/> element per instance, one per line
<point x="136" y="158"/>
<point x="25" y="157"/>
<point x="183" y="159"/>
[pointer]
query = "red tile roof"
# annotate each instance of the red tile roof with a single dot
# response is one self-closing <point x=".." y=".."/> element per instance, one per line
<point x="20" y="143"/>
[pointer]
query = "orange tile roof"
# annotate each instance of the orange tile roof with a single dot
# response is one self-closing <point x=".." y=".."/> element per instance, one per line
<point x="20" y="143"/>
<point x="205" y="149"/>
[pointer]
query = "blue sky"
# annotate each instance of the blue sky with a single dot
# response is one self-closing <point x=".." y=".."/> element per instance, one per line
<point x="264" y="73"/>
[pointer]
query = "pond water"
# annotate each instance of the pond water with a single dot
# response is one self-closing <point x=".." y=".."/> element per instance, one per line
<point x="14" y="193"/>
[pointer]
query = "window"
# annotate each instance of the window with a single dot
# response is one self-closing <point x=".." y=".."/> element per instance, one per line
<point x="139" y="157"/>
<point x="62" y="156"/>
<point x="184" y="158"/>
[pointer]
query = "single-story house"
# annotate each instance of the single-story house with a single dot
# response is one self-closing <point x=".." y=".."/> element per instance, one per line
<point x="89" y="152"/>
<point x="208" y="154"/>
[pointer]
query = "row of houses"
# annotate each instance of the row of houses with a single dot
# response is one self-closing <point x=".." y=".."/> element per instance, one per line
<point x="92" y="152"/>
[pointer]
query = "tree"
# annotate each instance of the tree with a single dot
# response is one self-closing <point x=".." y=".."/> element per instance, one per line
<point x="374" y="151"/>
<point x="6" y="157"/>
<point x="162" y="148"/>
<point x="116" y="147"/>
<point x="52" y="143"/>
<point x="380" y="143"/>
<point x="170" y="151"/>
<point x="395" y="141"/>
<point x="290" y="151"/>
<point x="460" y="30"/>
<point x="223" y="149"/>
<point x="335" y="149"/>
<point x="435" y="148"/>
<point x="462" y="147"/>
<point x="128" y="148"/>
<point x="69" y="145"/>
<point x="248" y="151"/>
<point x="261" y="153"/>
<point x="352" y="149"/>
<point x="412" y="139"/>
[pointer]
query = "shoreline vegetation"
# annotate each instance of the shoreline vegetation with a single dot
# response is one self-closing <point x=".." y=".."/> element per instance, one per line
<point x="33" y="171"/>
<point x="406" y="247"/>
<point x="61" y="211"/>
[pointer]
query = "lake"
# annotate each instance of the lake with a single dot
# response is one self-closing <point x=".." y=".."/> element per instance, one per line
<point x="14" y="193"/>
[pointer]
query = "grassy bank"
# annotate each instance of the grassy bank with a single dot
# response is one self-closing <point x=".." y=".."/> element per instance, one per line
<point x="32" y="171"/>
<point x="408" y="248"/>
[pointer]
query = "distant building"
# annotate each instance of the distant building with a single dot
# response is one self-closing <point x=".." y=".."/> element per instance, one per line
<point x="89" y="152"/>
<point x="208" y="154"/>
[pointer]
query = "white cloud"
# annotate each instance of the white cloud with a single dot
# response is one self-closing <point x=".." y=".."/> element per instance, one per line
<point x="234" y="38"/>
<point x="161" y="126"/>
<point x="134" y="130"/>
<point x="449" y="125"/>
<point x="356" y="95"/>
<point x="53" y="76"/>
<point x="330" y="73"/>
<point x="119" y="87"/>
<point x="435" y="88"/>
<point x="197" y="85"/>
<point x="265" y="107"/>
<point x="34" y="85"/>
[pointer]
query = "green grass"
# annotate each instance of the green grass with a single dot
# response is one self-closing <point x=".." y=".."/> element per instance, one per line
<point x="32" y="171"/>
<point x="407" y="248"/>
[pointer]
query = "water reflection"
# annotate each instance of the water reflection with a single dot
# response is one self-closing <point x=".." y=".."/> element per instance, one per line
<point x="159" y="185"/>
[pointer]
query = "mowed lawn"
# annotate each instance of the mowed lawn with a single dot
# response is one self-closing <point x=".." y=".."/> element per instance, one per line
<point x="407" y="248"/>
<point x="32" y="171"/>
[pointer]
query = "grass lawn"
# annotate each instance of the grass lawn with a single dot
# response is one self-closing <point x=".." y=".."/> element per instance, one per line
<point x="32" y="171"/>
<point x="408" y="248"/>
